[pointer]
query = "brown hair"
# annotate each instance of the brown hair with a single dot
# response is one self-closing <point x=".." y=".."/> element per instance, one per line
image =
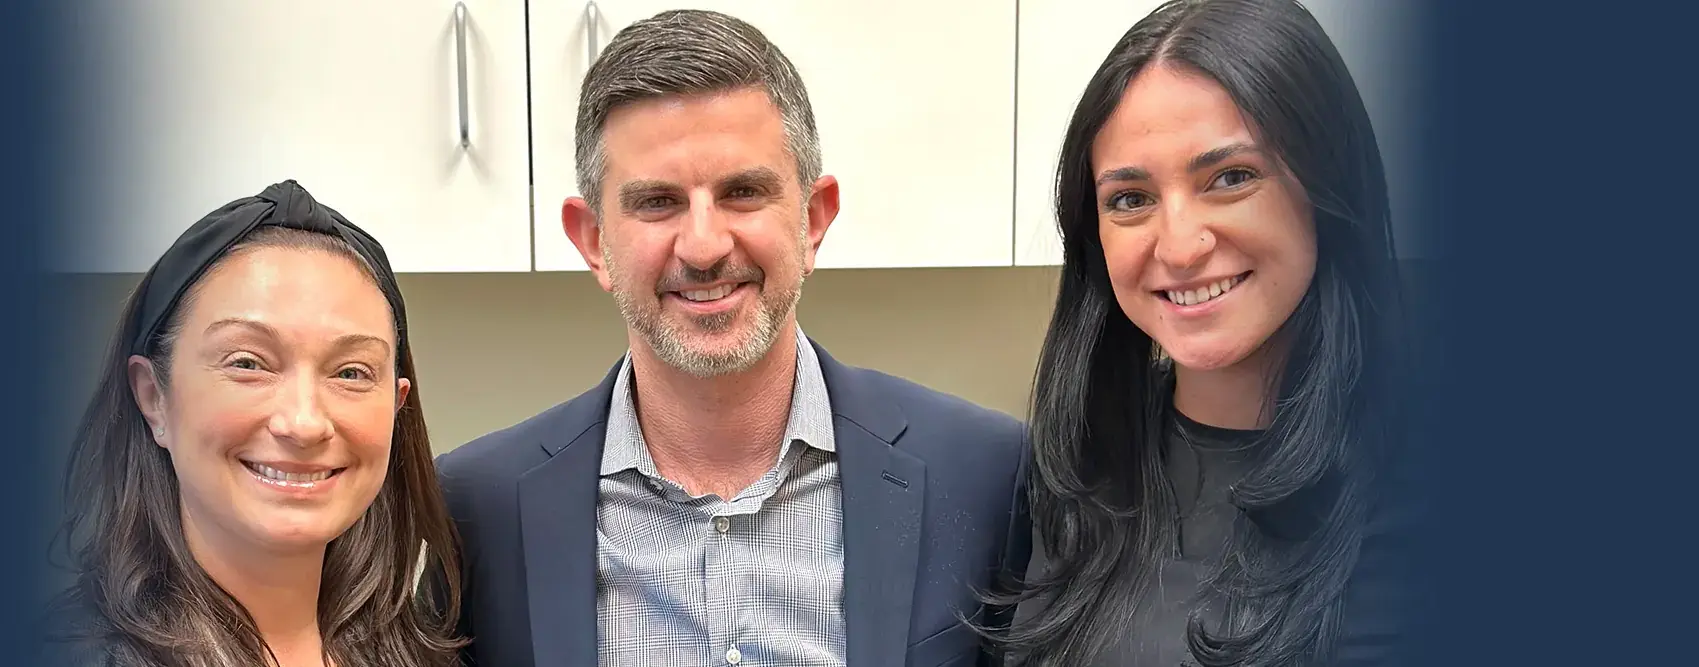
<point x="148" y="602"/>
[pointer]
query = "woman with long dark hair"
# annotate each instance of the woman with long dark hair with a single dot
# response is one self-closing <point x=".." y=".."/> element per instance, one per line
<point x="1214" y="400"/>
<point x="252" y="484"/>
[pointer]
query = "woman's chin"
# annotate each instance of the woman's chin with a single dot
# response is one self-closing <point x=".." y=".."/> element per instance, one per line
<point x="1201" y="357"/>
<point x="291" y="531"/>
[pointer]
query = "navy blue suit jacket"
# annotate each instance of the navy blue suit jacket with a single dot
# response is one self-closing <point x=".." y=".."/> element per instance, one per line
<point x="933" y="503"/>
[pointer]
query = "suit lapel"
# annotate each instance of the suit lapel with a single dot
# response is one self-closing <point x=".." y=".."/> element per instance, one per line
<point x="883" y="503"/>
<point x="557" y="518"/>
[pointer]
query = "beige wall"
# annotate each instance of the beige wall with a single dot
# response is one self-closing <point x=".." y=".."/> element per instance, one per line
<point x="494" y="349"/>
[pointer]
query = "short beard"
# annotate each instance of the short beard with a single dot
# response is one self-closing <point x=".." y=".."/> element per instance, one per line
<point x="643" y="314"/>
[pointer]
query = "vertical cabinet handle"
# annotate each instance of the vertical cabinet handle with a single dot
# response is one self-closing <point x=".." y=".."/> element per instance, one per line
<point x="592" y="16"/>
<point x="460" y="71"/>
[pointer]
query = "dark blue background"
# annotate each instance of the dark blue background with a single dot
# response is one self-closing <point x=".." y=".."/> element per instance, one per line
<point x="29" y="43"/>
<point x="1558" y="447"/>
<point x="1561" y="452"/>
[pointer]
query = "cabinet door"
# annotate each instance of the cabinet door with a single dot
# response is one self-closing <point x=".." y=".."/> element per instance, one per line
<point x="914" y="103"/>
<point x="204" y="102"/>
<point x="1062" y="44"/>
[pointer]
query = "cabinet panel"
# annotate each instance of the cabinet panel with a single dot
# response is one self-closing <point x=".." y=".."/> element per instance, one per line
<point x="914" y="103"/>
<point x="1062" y="44"/>
<point x="205" y="102"/>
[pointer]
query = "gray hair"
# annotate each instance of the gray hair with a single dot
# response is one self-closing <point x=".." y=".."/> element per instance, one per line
<point x="684" y="52"/>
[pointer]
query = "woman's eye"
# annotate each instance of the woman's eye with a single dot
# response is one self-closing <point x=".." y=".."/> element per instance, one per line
<point x="353" y="374"/>
<point x="1233" y="178"/>
<point x="245" y="363"/>
<point x="1127" y="201"/>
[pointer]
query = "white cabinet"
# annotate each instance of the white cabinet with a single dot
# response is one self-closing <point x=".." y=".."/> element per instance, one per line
<point x="1062" y="44"/>
<point x="914" y="103"/>
<point x="202" y="102"/>
<point x="943" y="160"/>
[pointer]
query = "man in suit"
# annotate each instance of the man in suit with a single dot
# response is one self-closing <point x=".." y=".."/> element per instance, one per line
<point x="729" y="494"/>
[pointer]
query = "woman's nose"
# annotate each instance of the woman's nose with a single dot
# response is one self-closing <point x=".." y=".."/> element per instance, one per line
<point x="1183" y="242"/>
<point x="300" y="417"/>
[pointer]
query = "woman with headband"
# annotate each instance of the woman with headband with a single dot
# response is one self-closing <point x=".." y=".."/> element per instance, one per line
<point x="252" y="483"/>
<point x="1214" y="406"/>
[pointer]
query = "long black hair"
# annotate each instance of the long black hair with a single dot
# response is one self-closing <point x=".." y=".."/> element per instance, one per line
<point x="1102" y="505"/>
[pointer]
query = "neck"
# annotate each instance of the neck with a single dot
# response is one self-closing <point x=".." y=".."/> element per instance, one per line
<point x="709" y="434"/>
<point x="280" y="591"/>
<point x="1240" y="396"/>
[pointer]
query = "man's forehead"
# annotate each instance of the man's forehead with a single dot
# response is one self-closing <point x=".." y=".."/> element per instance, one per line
<point x="700" y="158"/>
<point x="757" y="176"/>
<point x="695" y="140"/>
<point x="700" y="171"/>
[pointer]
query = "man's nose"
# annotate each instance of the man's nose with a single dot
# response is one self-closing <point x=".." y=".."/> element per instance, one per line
<point x="704" y="237"/>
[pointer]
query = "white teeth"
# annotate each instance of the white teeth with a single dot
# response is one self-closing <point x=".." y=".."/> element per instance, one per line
<point x="271" y="473"/>
<point x="709" y="294"/>
<point x="1202" y="294"/>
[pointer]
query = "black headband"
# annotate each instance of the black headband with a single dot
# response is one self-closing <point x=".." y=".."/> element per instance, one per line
<point x="284" y="204"/>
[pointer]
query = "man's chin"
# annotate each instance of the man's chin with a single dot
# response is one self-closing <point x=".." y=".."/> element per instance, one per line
<point x="710" y="333"/>
<point x="708" y="363"/>
<point x="709" y="353"/>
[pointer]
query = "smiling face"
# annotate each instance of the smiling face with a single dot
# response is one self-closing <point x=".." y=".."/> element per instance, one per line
<point x="281" y="401"/>
<point x="1209" y="242"/>
<point x="706" y="235"/>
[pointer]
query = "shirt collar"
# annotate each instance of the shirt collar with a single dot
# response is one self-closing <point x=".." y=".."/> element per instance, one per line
<point x="810" y="420"/>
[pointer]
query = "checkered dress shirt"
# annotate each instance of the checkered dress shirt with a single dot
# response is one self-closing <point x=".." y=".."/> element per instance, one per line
<point x="688" y="581"/>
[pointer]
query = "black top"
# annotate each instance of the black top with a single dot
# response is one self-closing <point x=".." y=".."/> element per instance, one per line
<point x="1203" y="462"/>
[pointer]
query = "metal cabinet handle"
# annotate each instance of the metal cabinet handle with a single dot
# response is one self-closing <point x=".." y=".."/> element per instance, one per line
<point x="592" y="16"/>
<point x="460" y="71"/>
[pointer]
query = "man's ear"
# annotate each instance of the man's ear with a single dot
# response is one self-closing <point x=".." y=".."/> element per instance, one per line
<point x="822" y="210"/>
<point x="149" y="394"/>
<point x="584" y="228"/>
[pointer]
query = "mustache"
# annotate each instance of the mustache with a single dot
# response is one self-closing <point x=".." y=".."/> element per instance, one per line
<point x="689" y="276"/>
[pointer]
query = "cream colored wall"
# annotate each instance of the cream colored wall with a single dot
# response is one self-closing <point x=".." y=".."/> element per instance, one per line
<point x="493" y="349"/>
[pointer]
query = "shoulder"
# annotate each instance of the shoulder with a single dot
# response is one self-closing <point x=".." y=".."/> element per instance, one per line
<point x="508" y="453"/>
<point x="77" y="652"/>
<point x="926" y="406"/>
<point x="941" y="424"/>
<point x="1383" y="590"/>
<point x="74" y="634"/>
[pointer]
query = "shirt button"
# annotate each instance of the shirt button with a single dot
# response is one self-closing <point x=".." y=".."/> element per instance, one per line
<point x="723" y="524"/>
<point x="734" y="656"/>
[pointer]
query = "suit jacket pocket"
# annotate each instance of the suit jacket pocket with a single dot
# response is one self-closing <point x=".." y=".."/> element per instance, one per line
<point x="957" y="644"/>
